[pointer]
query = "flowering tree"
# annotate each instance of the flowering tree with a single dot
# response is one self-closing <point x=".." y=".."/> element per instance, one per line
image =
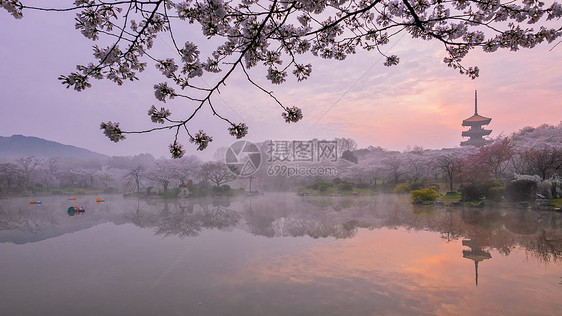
<point x="533" y="146"/>
<point x="186" y="168"/>
<point x="544" y="135"/>
<point x="450" y="165"/>
<point x="163" y="173"/>
<point x="105" y="179"/>
<point x="416" y="165"/>
<point x="545" y="160"/>
<point x="473" y="170"/>
<point x="273" y="33"/>
<point x="27" y="166"/>
<point x="135" y="177"/>
<point x="10" y="174"/>
<point x="394" y="167"/>
<point x="217" y="173"/>
<point x="496" y="156"/>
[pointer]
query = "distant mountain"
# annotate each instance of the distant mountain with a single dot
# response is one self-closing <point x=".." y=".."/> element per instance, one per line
<point x="18" y="146"/>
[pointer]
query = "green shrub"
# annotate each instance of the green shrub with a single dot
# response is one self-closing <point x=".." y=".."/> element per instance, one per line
<point x="225" y="188"/>
<point x="324" y="186"/>
<point x="471" y="192"/>
<point x="172" y="193"/>
<point x="320" y="186"/>
<point x="362" y="185"/>
<point x="486" y="186"/>
<point x="402" y="188"/>
<point x="495" y="194"/>
<point x="499" y="183"/>
<point x="345" y="186"/>
<point x="521" y="190"/>
<point x="424" y="194"/>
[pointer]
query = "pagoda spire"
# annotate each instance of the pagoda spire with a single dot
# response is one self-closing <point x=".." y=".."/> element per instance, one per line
<point x="476" y="271"/>
<point x="475" y="102"/>
<point x="476" y="132"/>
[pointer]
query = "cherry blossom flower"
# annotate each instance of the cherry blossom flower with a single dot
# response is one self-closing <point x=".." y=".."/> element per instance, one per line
<point x="239" y="130"/>
<point x="292" y="114"/>
<point x="176" y="149"/>
<point x="275" y="34"/>
<point x="202" y="140"/>
<point x="158" y="116"/>
<point x="112" y="131"/>
<point x="162" y="90"/>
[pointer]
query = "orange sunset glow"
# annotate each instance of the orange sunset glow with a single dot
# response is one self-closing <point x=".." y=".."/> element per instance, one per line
<point x="434" y="274"/>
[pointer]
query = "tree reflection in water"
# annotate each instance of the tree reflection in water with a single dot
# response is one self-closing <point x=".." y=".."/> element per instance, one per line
<point x="184" y="219"/>
<point x="287" y="215"/>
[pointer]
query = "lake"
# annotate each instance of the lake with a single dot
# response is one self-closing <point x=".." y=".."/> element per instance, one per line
<point x="276" y="254"/>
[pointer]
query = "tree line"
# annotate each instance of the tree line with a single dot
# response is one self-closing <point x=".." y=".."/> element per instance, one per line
<point x="531" y="151"/>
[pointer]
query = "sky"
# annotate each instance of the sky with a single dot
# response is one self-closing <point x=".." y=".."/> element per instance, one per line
<point x="419" y="102"/>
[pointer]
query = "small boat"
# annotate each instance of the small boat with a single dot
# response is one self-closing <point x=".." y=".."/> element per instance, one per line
<point x="99" y="200"/>
<point x="35" y="202"/>
<point x="72" y="199"/>
<point x="75" y="209"/>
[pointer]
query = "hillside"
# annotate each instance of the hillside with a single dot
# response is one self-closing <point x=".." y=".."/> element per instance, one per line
<point x="17" y="146"/>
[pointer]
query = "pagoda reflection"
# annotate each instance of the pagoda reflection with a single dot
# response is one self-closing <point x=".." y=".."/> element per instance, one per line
<point x="476" y="254"/>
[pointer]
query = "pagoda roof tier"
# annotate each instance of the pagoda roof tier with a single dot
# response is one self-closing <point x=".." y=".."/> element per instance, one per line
<point x="476" y="254"/>
<point x="476" y="142"/>
<point x="476" y="120"/>
<point x="476" y="132"/>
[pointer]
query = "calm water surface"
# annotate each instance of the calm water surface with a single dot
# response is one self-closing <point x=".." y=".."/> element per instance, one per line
<point x="276" y="254"/>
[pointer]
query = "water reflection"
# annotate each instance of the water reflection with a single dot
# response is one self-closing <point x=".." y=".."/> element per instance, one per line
<point x="476" y="254"/>
<point x="279" y="254"/>
<point x="181" y="218"/>
<point x="284" y="215"/>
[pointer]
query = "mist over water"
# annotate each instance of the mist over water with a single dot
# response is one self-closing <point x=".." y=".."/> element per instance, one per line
<point x="276" y="254"/>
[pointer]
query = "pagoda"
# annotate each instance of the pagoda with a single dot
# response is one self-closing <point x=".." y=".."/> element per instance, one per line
<point x="476" y="254"/>
<point x="476" y="132"/>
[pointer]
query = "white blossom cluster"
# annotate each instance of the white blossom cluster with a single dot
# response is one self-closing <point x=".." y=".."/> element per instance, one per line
<point x="14" y="7"/>
<point x="201" y="139"/>
<point x="238" y="130"/>
<point x="176" y="149"/>
<point x="391" y="60"/>
<point x="112" y="131"/>
<point x="274" y="33"/>
<point x="158" y="116"/>
<point x="168" y="67"/>
<point x="292" y="114"/>
<point x="162" y="90"/>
